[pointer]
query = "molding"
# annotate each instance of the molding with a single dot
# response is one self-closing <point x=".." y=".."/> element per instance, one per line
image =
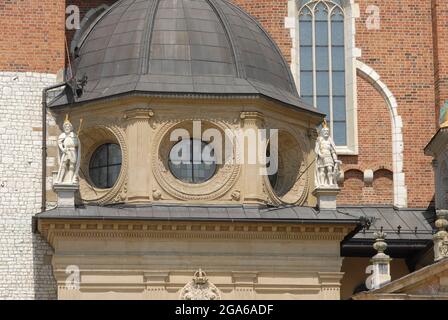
<point x="400" y="190"/>
<point x="53" y="229"/>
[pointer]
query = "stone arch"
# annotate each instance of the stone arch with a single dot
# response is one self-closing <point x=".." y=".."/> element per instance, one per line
<point x="399" y="185"/>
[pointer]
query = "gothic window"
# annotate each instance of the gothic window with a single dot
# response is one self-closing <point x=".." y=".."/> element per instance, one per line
<point x="191" y="167"/>
<point x="322" y="62"/>
<point x="105" y="165"/>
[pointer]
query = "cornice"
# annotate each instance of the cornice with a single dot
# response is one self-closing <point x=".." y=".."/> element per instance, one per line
<point x="53" y="229"/>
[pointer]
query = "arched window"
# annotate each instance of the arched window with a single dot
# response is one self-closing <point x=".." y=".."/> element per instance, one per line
<point x="322" y="62"/>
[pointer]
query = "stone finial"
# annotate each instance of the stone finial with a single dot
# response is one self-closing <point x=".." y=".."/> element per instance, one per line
<point x="440" y="238"/>
<point x="380" y="262"/>
<point x="380" y="244"/>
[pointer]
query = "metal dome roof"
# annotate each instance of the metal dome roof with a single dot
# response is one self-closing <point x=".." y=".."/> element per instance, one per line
<point x="180" y="47"/>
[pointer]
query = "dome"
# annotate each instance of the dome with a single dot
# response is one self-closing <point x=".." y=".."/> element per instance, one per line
<point x="209" y="47"/>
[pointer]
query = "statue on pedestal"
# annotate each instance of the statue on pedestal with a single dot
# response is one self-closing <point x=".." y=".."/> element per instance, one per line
<point x="69" y="155"/>
<point x="327" y="163"/>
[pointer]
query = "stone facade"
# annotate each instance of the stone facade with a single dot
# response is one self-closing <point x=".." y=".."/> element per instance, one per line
<point x="25" y="270"/>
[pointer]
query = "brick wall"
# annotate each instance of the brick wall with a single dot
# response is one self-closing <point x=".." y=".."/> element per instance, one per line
<point x="402" y="54"/>
<point x="32" y="35"/>
<point x="375" y="152"/>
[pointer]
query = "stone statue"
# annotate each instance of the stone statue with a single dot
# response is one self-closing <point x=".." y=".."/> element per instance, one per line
<point x="69" y="155"/>
<point x="327" y="163"/>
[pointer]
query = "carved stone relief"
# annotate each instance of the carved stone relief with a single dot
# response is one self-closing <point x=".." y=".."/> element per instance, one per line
<point x="200" y="288"/>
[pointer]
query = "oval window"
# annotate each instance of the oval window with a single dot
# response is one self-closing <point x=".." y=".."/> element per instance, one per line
<point x="192" y="161"/>
<point x="105" y="165"/>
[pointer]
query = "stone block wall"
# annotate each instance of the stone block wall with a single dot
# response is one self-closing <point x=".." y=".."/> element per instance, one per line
<point x="25" y="270"/>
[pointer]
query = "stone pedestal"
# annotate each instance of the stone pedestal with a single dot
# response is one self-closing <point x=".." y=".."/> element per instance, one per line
<point x="380" y="263"/>
<point x="326" y="198"/>
<point x="66" y="194"/>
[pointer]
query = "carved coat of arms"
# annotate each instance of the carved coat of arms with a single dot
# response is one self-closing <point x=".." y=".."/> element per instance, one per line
<point x="199" y="288"/>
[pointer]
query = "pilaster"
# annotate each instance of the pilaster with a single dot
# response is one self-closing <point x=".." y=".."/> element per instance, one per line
<point x="251" y="123"/>
<point x="138" y="135"/>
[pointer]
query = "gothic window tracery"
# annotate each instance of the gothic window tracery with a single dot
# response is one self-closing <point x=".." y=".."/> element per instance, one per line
<point x="322" y="62"/>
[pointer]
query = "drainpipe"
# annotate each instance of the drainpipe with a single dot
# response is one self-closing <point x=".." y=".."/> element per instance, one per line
<point x="44" y="142"/>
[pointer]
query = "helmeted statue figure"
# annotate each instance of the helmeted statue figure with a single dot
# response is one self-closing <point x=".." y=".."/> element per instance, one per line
<point x="69" y="155"/>
<point x="327" y="163"/>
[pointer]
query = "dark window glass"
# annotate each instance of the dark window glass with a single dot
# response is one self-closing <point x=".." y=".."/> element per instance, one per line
<point x="306" y="83"/>
<point x="105" y="165"/>
<point x="272" y="177"/>
<point x="185" y="167"/>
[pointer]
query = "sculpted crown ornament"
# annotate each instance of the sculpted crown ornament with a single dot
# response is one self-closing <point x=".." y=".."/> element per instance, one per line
<point x="199" y="288"/>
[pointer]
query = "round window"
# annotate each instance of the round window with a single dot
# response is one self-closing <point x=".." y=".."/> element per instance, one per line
<point x="192" y="161"/>
<point x="105" y="165"/>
